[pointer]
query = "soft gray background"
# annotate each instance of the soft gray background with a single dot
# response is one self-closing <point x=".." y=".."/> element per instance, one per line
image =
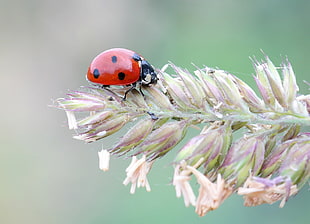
<point x="46" y="47"/>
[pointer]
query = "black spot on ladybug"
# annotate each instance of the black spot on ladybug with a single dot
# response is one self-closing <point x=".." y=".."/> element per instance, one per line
<point x="136" y="57"/>
<point x="121" y="76"/>
<point x="114" y="59"/>
<point x="96" y="73"/>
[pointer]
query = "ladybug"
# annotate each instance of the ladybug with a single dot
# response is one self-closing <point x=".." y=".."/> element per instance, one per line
<point x="119" y="66"/>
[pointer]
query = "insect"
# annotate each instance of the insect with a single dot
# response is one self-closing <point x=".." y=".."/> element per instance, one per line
<point x="119" y="66"/>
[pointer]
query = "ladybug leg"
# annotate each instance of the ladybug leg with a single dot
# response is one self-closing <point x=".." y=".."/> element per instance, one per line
<point x="140" y="90"/>
<point x="134" y="86"/>
<point x="131" y="88"/>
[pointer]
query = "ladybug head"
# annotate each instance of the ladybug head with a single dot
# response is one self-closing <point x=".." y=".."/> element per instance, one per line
<point x="148" y="75"/>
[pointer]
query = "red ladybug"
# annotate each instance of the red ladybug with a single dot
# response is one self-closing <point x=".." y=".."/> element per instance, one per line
<point x="119" y="66"/>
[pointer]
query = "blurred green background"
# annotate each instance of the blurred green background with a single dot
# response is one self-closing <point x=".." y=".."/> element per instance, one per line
<point x="46" y="47"/>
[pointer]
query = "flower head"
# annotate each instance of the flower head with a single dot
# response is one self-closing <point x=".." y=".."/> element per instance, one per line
<point x="268" y="163"/>
<point x="207" y="147"/>
<point x="244" y="158"/>
<point x="257" y="191"/>
<point x="136" y="174"/>
<point x="211" y="194"/>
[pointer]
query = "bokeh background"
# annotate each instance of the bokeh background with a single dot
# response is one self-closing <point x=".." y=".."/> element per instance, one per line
<point x="46" y="47"/>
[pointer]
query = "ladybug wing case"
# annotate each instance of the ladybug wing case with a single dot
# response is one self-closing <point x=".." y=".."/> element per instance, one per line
<point x="114" y="67"/>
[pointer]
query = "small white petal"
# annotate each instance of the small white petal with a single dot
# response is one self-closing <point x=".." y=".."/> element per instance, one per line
<point x="104" y="160"/>
<point x="211" y="195"/>
<point x="182" y="187"/>
<point x="137" y="174"/>
<point x="71" y="120"/>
